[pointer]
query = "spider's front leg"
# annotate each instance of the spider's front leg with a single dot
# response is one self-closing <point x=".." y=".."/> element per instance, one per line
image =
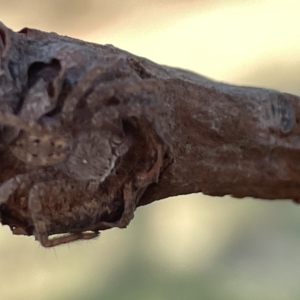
<point x="8" y="188"/>
<point x="89" y="83"/>
<point x="14" y="192"/>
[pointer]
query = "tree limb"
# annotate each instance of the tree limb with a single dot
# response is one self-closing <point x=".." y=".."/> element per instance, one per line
<point x="179" y="133"/>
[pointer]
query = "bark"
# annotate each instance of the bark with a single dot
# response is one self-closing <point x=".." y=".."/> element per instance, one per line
<point x="230" y="140"/>
<point x="196" y="135"/>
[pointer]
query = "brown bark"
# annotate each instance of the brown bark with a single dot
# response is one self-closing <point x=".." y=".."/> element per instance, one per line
<point x="230" y="140"/>
<point x="192" y="133"/>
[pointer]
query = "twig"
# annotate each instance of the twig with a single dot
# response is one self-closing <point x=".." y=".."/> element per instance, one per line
<point x="165" y="132"/>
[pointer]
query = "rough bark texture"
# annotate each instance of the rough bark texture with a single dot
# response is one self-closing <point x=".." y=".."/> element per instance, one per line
<point x="90" y="132"/>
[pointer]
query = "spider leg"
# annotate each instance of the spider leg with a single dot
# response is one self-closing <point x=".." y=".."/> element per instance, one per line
<point x="9" y="187"/>
<point x="101" y="98"/>
<point x="88" y="85"/>
<point x="142" y="180"/>
<point x="41" y="98"/>
<point x="14" y="121"/>
<point x="127" y="100"/>
<point x="128" y="213"/>
<point x="78" y="92"/>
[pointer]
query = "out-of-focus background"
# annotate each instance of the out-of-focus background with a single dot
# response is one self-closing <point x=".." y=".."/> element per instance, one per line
<point x="192" y="247"/>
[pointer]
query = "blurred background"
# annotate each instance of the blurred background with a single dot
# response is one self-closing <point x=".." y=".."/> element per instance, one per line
<point x="191" y="247"/>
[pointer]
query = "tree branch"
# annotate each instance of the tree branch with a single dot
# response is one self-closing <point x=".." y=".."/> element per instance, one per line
<point x="176" y="133"/>
<point x="230" y="140"/>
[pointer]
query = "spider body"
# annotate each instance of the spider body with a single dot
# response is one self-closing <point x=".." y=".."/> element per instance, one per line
<point x="73" y="162"/>
<point x="84" y="153"/>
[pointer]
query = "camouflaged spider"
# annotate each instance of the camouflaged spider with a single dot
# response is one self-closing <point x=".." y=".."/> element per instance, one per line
<point x="65" y="157"/>
<point x="75" y="149"/>
<point x="85" y="150"/>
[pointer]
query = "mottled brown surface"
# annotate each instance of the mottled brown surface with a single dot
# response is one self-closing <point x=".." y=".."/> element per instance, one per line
<point x="181" y="133"/>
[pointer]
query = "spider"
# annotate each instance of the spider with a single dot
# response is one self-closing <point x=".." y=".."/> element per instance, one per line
<point x="73" y="151"/>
